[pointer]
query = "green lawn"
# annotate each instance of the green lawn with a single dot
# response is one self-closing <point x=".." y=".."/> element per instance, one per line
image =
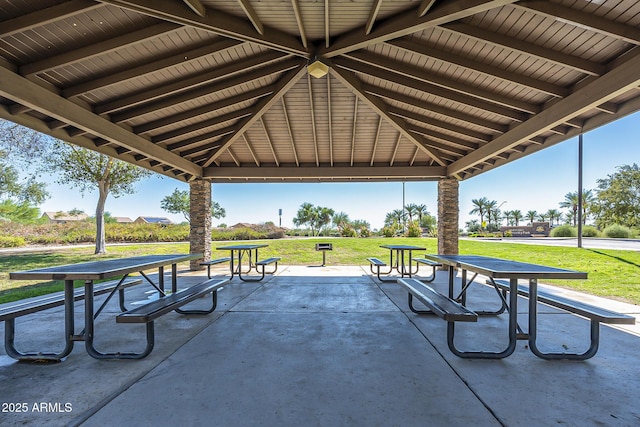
<point x="614" y="274"/>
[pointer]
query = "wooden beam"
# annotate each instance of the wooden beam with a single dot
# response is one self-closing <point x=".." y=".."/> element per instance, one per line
<point x="252" y="15"/>
<point x="268" y="138"/>
<point x="327" y="34"/>
<point x="480" y="67"/>
<point x="619" y="80"/>
<point x="383" y="63"/>
<point x="560" y="58"/>
<point x="231" y="74"/>
<point x="101" y="48"/>
<point x="293" y="142"/>
<point x="609" y="27"/>
<point x="408" y="22"/>
<point x="351" y="82"/>
<point x="435" y="108"/>
<point x="285" y="83"/>
<point x="185" y="130"/>
<point x="216" y="22"/>
<point x="313" y="119"/>
<point x="425" y="6"/>
<point x="197" y="7"/>
<point x="373" y="15"/>
<point x="25" y="92"/>
<point x="435" y="90"/>
<point x="395" y="149"/>
<point x="204" y="109"/>
<point x="336" y="173"/>
<point x="234" y="80"/>
<point x="375" y="142"/>
<point x="45" y="16"/>
<point x="109" y="79"/>
<point x="298" y="15"/>
<point x="353" y="130"/>
<point x="81" y="141"/>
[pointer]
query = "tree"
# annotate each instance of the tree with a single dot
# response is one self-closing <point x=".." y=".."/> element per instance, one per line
<point x="314" y="216"/>
<point x="421" y="210"/>
<point x="179" y="202"/>
<point x="531" y="216"/>
<point x="395" y="219"/>
<point x="340" y="220"/>
<point x="618" y="197"/>
<point x="517" y="216"/>
<point x="85" y="169"/>
<point x="412" y="209"/>
<point x="571" y="202"/>
<point x="480" y="208"/>
<point x="553" y="214"/>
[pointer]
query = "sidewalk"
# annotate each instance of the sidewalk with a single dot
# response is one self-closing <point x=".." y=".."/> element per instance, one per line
<point x="324" y="346"/>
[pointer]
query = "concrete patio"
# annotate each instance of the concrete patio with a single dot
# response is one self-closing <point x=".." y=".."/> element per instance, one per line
<point x="326" y="346"/>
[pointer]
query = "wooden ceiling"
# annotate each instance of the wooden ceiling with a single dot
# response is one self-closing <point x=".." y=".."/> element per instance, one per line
<point x="416" y="90"/>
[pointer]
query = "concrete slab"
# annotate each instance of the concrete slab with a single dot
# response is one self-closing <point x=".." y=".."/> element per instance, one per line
<point x="321" y="346"/>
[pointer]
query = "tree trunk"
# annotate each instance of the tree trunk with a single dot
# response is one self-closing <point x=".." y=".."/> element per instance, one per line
<point x="102" y="198"/>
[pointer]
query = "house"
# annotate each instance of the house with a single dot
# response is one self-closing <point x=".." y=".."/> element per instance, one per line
<point x="123" y="219"/>
<point x="63" y="217"/>
<point x="152" y="220"/>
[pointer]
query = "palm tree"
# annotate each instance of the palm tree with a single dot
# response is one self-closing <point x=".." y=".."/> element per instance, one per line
<point x="421" y="210"/>
<point x="508" y="215"/>
<point x="480" y="208"/>
<point x="411" y="209"/>
<point x="517" y="216"/>
<point x="588" y="202"/>
<point x="340" y="220"/>
<point x="531" y="216"/>
<point x="571" y="202"/>
<point x="553" y="214"/>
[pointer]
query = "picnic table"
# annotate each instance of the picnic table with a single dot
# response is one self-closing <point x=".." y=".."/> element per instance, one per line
<point x="396" y="263"/>
<point x="513" y="271"/>
<point x="248" y="252"/>
<point x="89" y="272"/>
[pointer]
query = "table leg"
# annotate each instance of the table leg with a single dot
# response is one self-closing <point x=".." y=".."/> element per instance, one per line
<point x="513" y="328"/>
<point x="89" y="331"/>
<point x="9" y="333"/>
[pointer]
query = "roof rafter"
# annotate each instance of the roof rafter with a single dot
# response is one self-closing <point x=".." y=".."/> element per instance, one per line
<point x="150" y="67"/>
<point x="373" y="15"/>
<point x="589" y="20"/>
<point x="477" y="66"/>
<point x="619" y="80"/>
<point x="34" y="96"/>
<point x="216" y="121"/>
<point x="349" y="80"/>
<point x="561" y="58"/>
<point x="216" y="22"/>
<point x="252" y="15"/>
<point x="285" y="83"/>
<point x="214" y="86"/>
<point x="293" y="142"/>
<point x="97" y="49"/>
<point x="197" y="7"/>
<point x="421" y="86"/>
<point x="313" y="119"/>
<point x="419" y="73"/>
<point x="409" y="22"/>
<point x="298" y="15"/>
<point x="204" y="109"/>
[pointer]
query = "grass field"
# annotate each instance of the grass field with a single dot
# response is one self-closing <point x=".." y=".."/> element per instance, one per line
<point x="612" y="273"/>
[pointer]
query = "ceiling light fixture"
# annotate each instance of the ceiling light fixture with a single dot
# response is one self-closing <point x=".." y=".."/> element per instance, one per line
<point x="317" y="68"/>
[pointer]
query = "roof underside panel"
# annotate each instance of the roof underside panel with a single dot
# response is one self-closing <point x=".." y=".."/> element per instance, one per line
<point x="416" y="90"/>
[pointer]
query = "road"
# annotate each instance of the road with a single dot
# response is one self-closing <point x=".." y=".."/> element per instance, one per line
<point x="587" y="242"/>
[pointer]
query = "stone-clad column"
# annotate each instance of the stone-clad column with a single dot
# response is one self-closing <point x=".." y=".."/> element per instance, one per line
<point x="448" y="211"/>
<point x="200" y="214"/>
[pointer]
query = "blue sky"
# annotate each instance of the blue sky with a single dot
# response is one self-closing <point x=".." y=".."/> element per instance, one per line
<point x="536" y="182"/>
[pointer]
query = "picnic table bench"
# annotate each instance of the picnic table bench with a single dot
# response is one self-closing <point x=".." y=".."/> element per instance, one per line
<point x="596" y="315"/>
<point x="9" y="313"/>
<point x="429" y="263"/>
<point x="214" y="262"/>
<point x="151" y="311"/>
<point x="442" y="306"/>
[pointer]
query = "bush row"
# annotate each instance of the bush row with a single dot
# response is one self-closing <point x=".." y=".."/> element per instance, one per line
<point x="16" y="235"/>
<point x="613" y="231"/>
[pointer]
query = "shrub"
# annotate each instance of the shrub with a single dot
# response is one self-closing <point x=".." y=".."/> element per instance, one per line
<point x="617" y="231"/>
<point x="590" y="231"/>
<point x="508" y="233"/>
<point x="388" y="231"/>
<point x="414" y="229"/>
<point x="564" y="231"/>
<point x="11" y="242"/>
<point x="365" y="232"/>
